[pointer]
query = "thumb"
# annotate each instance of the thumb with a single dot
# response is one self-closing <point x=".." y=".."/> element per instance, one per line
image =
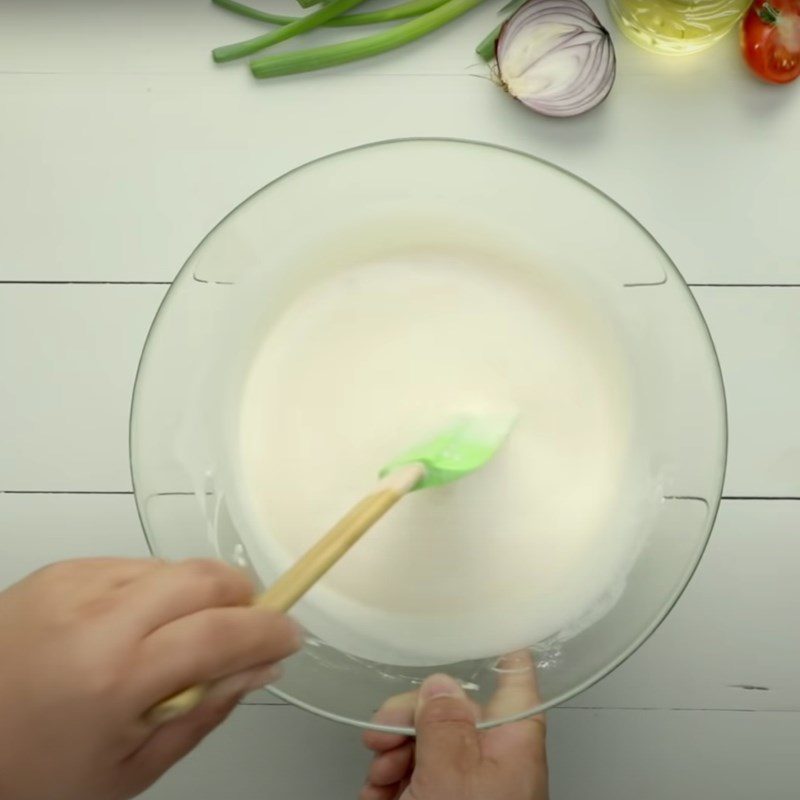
<point x="447" y="740"/>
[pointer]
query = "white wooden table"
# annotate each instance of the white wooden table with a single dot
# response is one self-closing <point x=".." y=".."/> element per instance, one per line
<point x="121" y="145"/>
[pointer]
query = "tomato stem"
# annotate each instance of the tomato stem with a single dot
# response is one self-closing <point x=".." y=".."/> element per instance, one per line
<point x="768" y="14"/>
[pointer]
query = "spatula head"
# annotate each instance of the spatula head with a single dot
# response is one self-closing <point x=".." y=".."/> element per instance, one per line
<point x="459" y="450"/>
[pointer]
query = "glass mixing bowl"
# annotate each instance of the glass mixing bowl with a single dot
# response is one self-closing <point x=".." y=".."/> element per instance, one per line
<point x="334" y="211"/>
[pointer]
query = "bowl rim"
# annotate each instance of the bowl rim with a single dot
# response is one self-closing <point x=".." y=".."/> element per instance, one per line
<point x="713" y="505"/>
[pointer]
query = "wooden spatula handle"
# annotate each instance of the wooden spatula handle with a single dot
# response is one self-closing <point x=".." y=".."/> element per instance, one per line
<point x="311" y="566"/>
<point x="300" y="577"/>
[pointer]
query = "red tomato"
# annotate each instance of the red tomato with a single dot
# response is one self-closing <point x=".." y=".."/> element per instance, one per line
<point x="771" y="39"/>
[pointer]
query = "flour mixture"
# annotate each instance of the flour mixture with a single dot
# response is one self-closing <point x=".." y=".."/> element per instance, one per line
<point x="383" y="356"/>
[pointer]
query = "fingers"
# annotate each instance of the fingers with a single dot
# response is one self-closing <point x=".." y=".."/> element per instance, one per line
<point x="370" y="792"/>
<point x="394" y="751"/>
<point x="212" y="644"/>
<point x="447" y="740"/>
<point x="242" y="683"/>
<point x="172" y="741"/>
<point x="517" y="689"/>
<point x="177" y="590"/>
<point x="391" y="767"/>
<point x="397" y="711"/>
<point x="519" y="743"/>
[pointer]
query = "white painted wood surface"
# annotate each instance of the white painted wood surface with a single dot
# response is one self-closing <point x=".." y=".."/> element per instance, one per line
<point x="732" y="641"/>
<point x="756" y="336"/>
<point x="121" y="145"/>
<point x="129" y="144"/>
<point x="68" y="362"/>
<point x="68" y="383"/>
<point x="661" y="755"/>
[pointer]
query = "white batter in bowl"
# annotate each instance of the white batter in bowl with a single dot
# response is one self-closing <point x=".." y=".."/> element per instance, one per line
<point x="383" y="355"/>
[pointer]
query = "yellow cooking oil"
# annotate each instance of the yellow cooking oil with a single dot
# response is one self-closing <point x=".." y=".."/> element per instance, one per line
<point x="676" y="27"/>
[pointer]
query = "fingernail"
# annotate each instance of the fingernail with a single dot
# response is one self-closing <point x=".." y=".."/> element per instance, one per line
<point x="440" y="686"/>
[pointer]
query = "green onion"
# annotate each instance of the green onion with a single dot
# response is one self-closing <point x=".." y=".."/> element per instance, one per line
<point x="486" y="48"/>
<point x="253" y="13"/>
<point x="365" y="47"/>
<point x="309" y="3"/>
<point x="229" y="52"/>
<point x="404" y="10"/>
<point x="512" y="5"/>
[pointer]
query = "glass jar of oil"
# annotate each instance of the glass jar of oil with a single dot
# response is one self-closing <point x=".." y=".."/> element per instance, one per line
<point x="676" y="26"/>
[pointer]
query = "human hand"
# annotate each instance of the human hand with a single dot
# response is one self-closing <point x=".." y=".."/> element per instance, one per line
<point x="450" y="759"/>
<point x="88" y="647"/>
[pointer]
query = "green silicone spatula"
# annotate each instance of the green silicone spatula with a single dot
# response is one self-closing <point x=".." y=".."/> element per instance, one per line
<point x="457" y="451"/>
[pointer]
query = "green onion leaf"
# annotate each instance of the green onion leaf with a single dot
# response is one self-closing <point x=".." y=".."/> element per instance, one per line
<point x="512" y="6"/>
<point x="404" y="10"/>
<point x="487" y="45"/>
<point x="332" y="55"/>
<point x="229" y="52"/>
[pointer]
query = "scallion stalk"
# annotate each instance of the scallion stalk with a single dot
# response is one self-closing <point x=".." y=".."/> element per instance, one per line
<point x="404" y="10"/>
<point x="254" y="13"/>
<point x="487" y="45"/>
<point x="332" y="55"/>
<point x="229" y="52"/>
<point x="512" y="6"/>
